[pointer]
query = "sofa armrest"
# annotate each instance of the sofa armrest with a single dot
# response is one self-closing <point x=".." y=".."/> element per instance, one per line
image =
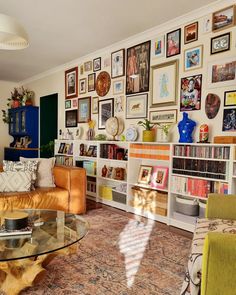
<point x="221" y="206"/>
<point x="74" y="180"/>
<point x="218" y="264"/>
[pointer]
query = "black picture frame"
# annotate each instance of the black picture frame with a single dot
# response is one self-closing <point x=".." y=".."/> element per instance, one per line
<point x="225" y="98"/>
<point x="228" y="35"/>
<point x="71" y="118"/>
<point x="97" y="64"/>
<point x="168" y="54"/>
<point x="61" y="148"/>
<point x="104" y="113"/>
<point x="118" y="63"/>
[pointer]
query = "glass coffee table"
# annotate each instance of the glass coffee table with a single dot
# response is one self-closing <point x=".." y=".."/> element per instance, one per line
<point x="23" y="257"/>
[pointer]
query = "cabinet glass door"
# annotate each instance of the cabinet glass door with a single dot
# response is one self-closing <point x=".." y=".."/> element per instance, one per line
<point x="23" y="128"/>
<point x="11" y="123"/>
<point x="17" y="123"/>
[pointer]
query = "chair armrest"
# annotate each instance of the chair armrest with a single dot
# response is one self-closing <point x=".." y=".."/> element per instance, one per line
<point x="221" y="206"/>
<point x="74" y="180"/>
<point x="219" y="264"/>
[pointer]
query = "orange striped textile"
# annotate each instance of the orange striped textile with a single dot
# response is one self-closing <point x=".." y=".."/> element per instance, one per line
<point x="149" y="151"/>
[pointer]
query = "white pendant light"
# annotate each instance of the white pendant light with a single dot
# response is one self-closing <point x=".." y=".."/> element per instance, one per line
<point x="12" y="34"/>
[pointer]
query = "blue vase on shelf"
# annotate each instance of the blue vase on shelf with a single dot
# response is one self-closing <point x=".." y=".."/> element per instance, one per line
<point x="186" y="127"/>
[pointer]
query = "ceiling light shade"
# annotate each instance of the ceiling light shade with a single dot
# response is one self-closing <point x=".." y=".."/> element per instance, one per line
<point x="12" y="34"/>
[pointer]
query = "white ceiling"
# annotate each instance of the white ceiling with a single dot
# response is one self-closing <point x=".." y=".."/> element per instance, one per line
<point x="63" y="30"/>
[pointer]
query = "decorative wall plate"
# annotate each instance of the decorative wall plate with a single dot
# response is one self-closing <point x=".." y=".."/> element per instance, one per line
<point x="131" y="134"/>
<point x="103" y="83"/>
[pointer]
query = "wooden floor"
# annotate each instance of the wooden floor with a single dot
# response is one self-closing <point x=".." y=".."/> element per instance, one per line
<point x="92" y="205"/>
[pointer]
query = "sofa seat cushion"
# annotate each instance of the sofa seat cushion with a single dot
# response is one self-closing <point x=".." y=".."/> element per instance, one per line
<point x="41" y="198"/>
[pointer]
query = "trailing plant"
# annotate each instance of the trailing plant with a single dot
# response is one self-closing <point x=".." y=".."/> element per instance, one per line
<point x="5" y="117"/>
<point x="48" y="148"/>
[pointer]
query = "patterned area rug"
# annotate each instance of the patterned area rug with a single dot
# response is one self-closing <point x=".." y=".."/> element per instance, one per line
<point x="119" y="256"/>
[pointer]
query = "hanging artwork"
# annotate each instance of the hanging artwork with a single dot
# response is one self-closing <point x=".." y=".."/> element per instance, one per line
<point x="118" y="63"/>
<point x="91" y="82"/>
<point x="71" y="83"/>
<point x="105" y="111"/>
<point x="103" y="83"/>
<point x="223" y="18"/>
<point x="230" y="98"/>
<point x="158" y="47"/>
<point x="229" y="120"/>
<point x="173" y="43"/>
<point x="136" y="106"/>
<point x="191" y="33"/>
<point x="84" y="110"/>
<point x="212" y="105"/>
<point x="193" y="58"/>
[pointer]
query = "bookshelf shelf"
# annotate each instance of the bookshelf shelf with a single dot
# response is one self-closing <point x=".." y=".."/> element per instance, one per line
<point x="149" y="187"/>
<point x="113" y="160"/>
<point x="111" y="179"/>
<point x="199" y="177"/>
<point x="188" y="195"/>
<point x="87" y="158"/>
<point x="200" y="158"/>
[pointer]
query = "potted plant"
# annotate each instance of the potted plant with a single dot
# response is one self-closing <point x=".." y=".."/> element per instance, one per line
<point x="165" y="132"/>
<point x="149" y="132"/>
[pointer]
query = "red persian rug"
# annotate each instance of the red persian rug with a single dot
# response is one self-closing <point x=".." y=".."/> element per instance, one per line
<point x="119" y="256"/>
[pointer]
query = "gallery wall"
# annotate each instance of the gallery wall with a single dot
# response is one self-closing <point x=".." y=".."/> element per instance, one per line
<point x="54" y="81"/>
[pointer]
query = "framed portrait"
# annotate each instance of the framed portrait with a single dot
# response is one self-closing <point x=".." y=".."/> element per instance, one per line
<point x="145" y="173"/>
<point x="75" y="103"/>
<point x="191" y="33"/>
<point x="119" y="104"/>
<point x="118" y="86"/>
<point x="164" y="83"/>
<point x="71" y="118"/>
<point x="91" y="82"/>
<point x="229" y="120"/>
<point x="95" y="105"/>
<point x="138" y="68"/>
<point x="61" y="148"/>
<point x="118" y="63"/>
<point x="222" y="73"/>
<point x="88" y="66"/>
<point x="193" y="58"/>
<point x="206" y="24"/>
<point x="173" y="43"/>
<point x="190" y="93"/>
<point x="66" y="148"/>
<point x="158" y="47"/>
<point x="97" y="64"/>
<point x="230" y="98"/>
<point x="67" y="104"/>
<point x="82" y="85"/>
<point x="223" y="18"/>
<point x="220" y="43"/>
<point x="105" y="111"/>
<point x="159" y="177"/>
<point x="164" y="116"/>
<point x="84" y="107"/>
<point x="71" y="83"/>
<point x="136" y="106"/>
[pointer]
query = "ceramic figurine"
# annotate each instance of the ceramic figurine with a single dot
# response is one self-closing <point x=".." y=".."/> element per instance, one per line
<point x="186" y="127"/>
<point x="104" y="171"/>
<point x="204" y="133"/>
<point x="81" y="148"/>
<point x="91" y="132"/>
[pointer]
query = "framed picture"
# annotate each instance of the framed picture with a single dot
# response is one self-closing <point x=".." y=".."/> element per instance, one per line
<point x="66" y="148"/>
<point x="136" y="106"/>
<point x="191" y="33"/>
<point x="91" y="82"/>
<point x="159" y="177"/>
<point x="82" y="85"/>
<point x="193" y="58"/>
<point x="75" y="103"/>
<point x="95" y="105"/>
<point x="97" y="64"/>
<point x="119" y="104"/>
<point x="173" y="43"/>
<point x="71" y="118"/>
<point x="158" y="47"/>
<point x="164" y="116"/>
<point x="229" y="120"/>
<point x="220" y="43"/>
<point x="84" y="107"/>
<point x="107" y="62"/>
<point x="164" y="83"/>
<point x="222" y="73"/>
<point x="61" y="148"/>
<point x="118" y="86"/>
<point x="67" y="104"/>
<point x="105" y="111"/>
<point x="230" y="98"/>
<point x="145" y="174"/>
<point x="223" y="18"/>
<point x="118" y="63"/>
<point x="190" y="94"/>
<point x="206" y="24"/>
<point x="71" y="83"/>
<point x="90" y="150"/>
<point x="138" y="68"/>
<point x="88" y="66"/>
<point x="81" y="69"/>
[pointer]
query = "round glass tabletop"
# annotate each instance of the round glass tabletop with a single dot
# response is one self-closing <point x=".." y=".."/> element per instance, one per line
<point x="51" y="231"/>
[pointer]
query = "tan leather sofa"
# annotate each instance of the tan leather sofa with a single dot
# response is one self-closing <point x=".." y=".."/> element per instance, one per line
<point x="69" y="195"/>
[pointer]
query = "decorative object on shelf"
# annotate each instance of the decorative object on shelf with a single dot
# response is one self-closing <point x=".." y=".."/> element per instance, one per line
<point x="97" y="64"/>
<point x="138" y="68"/>
<point x="81" y="149"/>
<point x="190" y="95"/>
<point x="158" y="47"/>
<point x="223" y="18"/>
<point x="164" y="84"/>
<point x="78" y="133"/>
<point x="220" y="43"/>
<point x="61" y="148"/>
<point x="230" y="98"/>
<point x="95" y="105"/>
<point x="109" y="172"/>
<point x="224" y="139"/>
<point x="191" y="33"/>
<point x="91" y="82"/>
<point x="165" y="131"/>
<point x="149" y="133"/>
<point x="90" y="150"/>
<point x="67" y="104"/>
<point x="105" y="111"/>
<point x="159" y="177"/>
<point x="204" y="133"/>
<point x="69" y="135"/>
<point x="193" y="58"/>
<point x="163" y="116"/>
<point x="212" y="105"/>
<point x="118" y="63"/>
<point x="118" y="87"/>
<point x="131" y="133"/>
<point x="84" y="109"/>
<point x="91" y="132"/>
<point x="186" y="127"/>
<point x="173" y="43"/>
<point x="101" y="137"/>
<point x="104" y="171"/>
<point x="71" y="118"/>
<point x="119" y="173"/>
<point x="229" y="120"/>
<point x="114" y="126"/>
<point x="71" y="83"/>
<point x="103" y="83"/>
<point x="88" y="66"/>
<point x="145" y="174"/>
<point x="82" y="85"/>
<point x="136" y="106"/>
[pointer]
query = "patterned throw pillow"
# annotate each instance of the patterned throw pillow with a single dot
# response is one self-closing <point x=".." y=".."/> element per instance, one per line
<point x="15" y="181"/>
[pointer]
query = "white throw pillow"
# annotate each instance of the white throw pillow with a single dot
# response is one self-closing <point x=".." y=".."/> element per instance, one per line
<point x="44" y="174"/>
<point x="19" y="181"/>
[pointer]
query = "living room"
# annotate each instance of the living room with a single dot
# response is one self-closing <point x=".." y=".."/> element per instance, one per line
<point x="117" y="152"/>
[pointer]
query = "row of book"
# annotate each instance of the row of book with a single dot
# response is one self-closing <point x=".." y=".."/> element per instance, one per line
<point x="213" y="152"/>
<point x="63" y="160"/>
<point x="197" y="187"/>
<point x="113" y="151"/>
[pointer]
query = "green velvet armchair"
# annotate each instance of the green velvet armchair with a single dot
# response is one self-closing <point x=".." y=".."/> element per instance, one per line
<point x="219" y="253"/>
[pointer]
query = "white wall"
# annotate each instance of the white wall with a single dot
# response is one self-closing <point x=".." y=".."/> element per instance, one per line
<point x="53" y="81"/>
